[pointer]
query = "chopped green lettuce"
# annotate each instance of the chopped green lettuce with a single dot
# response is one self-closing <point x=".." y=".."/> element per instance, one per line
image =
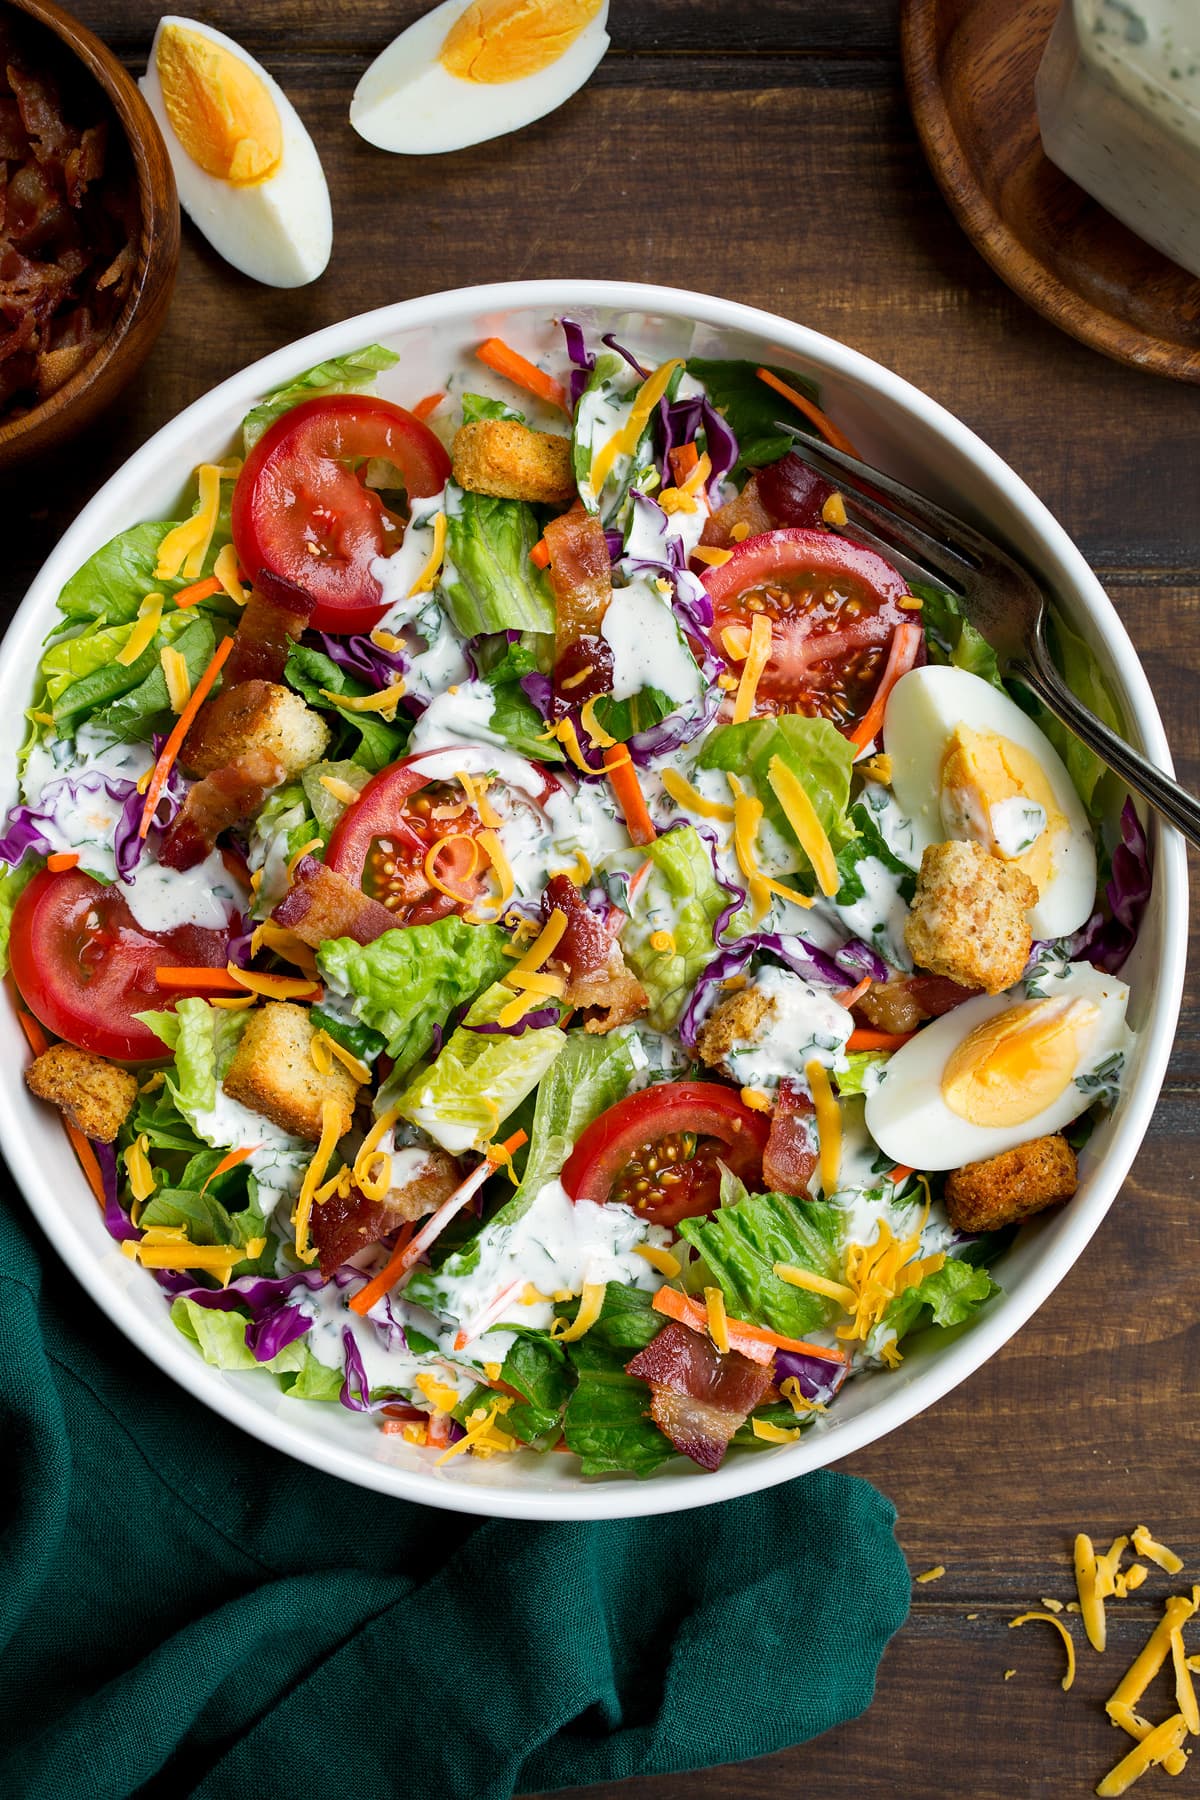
<point x="854" y="1078"/>
<point x="202" y="1039"/>
<point x="950" y="1296"/>
<point x="145" y="709"/>
<point x="339" y="375"/>
<point x="220" y="1338"/>
<point x="951" y="638"/>
<point x="748" y="1234"/>
<point x="751" y="409"/>
<point x="478" y="406"/>
<point x="315" y="675"/>
<point x="359" y="1040"/>
<point x="321" y="803"/>
<point x="110" y="586"/>
<point x="515" y="718"/>
<point x="681" y="896"/>
<point x="607" y="1421"/>
<point x="82" y="674"/>
<point x="489" y="583"/>
<point x="590" y="1074"/>
<point x="13" y="883"/>
<point x="409" y="981"/>
<point x="465" y="1094"/>
<point x="813" y="749"/>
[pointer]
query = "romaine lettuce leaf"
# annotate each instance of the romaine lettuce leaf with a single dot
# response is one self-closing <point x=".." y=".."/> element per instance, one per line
<point x="359" y="1040"/>
<point x="313" y="674"/>
<point x="202" y="1039"/>
<point x="748" y="1234"/>
<point x="951" y="638"/>
<point x="220" y="1338"/>
<point x="538" y="1370"/>
<point x="855" y="1077"/>
<point x="515" y="718"/>
<point x="410" y="980"/>
<point x="589" y="1075"/>
<point x="465" y="1094"/>
<point x="110" y="586"/>
<point x="607" y="1421"/>
<point x="147" y="707"/>
<point x="321" y="803"/>
<point x="813" y="749"/>
<point x="339" y="375"/>
<point x="82" y="674"/>
<point x="13" y="883"/>
<point x="950" y="1296"/>
<point x="489" y="583"/>
<point x="682" y="897"/>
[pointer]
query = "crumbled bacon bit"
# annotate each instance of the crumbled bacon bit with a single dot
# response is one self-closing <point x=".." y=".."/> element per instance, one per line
<point x="340" y="1226"/>
<point x="68" y="217"/>
<point x="214" y="804"/>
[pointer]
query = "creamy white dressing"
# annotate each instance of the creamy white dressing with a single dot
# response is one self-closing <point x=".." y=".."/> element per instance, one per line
<point x="648" y="648"/>
<point x="442" y="663"/>
<point x="398" y="574"/>
<point x="462" y="714"/>
<point x="163" y="899"/>
<point x="277" y="1160"/>
<point x="879" y="914"/>
<point x="898" y="832"/>
<point x="805" y="1025"/>
<point x="1016" y="824"/>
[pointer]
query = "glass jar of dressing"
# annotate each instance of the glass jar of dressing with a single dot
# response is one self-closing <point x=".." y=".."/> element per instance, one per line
<point x="1118" y="101"/>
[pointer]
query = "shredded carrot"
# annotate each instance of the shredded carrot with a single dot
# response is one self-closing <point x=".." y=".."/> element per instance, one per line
<point x="900" y="1173"/>
<point x="439" y="1430"/>
<point x="406" y="1251"/>
<point x="198" y="590"/>
<point x="683" y="461"/>
<point x="227" y="1162"/>
<point x="849" y="997"/>
<point x="39" y="1044"/>
<point x="217" y="981"/>
<point x="864" y="1039"/>
<point x="906" y="642"/>
<point x="752" y="1340"/>
<point x="61" y="860"/>
<point x="630" y="798"/>
<point x="428" y="405"/>
<point x="495" y="354"/>
<point x="183" y="725"/>
<point x="539" y="556"/>
<point x="813" y="414"/>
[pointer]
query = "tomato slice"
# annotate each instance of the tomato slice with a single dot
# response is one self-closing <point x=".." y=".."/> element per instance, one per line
<point x="85" y="967"/>
<point x="302" y="512"/>
<point x="383" y="841"/>
<point x="833" y="607"/>
<point x="658" y="1150"/>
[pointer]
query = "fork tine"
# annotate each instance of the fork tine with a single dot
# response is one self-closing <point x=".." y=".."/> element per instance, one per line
<point x="900" y="559"/>
<point x="959" y="539"/>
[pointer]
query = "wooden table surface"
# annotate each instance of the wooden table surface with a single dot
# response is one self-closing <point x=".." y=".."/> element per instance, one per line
<point x="767" y="154"/>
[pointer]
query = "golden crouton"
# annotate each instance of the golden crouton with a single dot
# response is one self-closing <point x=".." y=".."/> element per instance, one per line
<point x="735" y="1022"/>
<point x="273" y="1072"/>
<point x="255" y="715"/>
<point x="968" y="917"/>
<point x="1014" y="1185"/>
<point x="95" y="1095"/>
<point x="508" y="459"/>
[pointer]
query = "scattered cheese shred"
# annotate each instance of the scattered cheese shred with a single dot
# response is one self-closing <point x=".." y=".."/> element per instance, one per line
<point x="624" y="441"/>
<point x="834" y="511"/>
<point x="225" y="568"/>
<point x="718" y="1323"/>
<point x="1145" y="1545"/>
<point x="801" y="815"/>
<point x="773" y="1434"/>
<point x="375" y="1180"/>
<point x="285" y="943"/>
<point x="475" y="788"/>
<point x="339" y="790"/>
<point x="684" y="794"/>
<point x="433" y="562"/>
<point x="597" y="736"/>
<point x="137" y="1167"/>
<point x="384" y="702"/>
<point x="663" y="941"/>
<point x="1091" y="1603"/>
<point x="659" y="1259"/>
<point x="757" y="656"/>
<point x="144" y="631"/>
<point x="1108" y="1567"/>
<point x="273" y="987"/>
<point x="176" y="676"/>
<point x="314" y="843"/>
<point x="934" y="1574"/>
<point x="1153" y="1654"/>
<point x="333" y="1125"/>
<point x="591" y="1301"/>
<point x="797" y="1400"/>
<point x="490" y="843"/>
<point x="747" y="817"/>
<point x="543" y="946"/>
<point x="817" y="1284"/>
<point x="438" y="1393"/>
<point x="1154" y="1748"/>
<point x="757" y="1099"/>
<point x="879" y="1271"/>
<point x="1058" y="1625"/>
<point x="183" y="550"/>
<point x="710" y="554"/>
<point x="347" y="1058"/>
<point x="829" y="1124"/>
<point x="1185" y="1693"/>
<point x="878" y="768"/>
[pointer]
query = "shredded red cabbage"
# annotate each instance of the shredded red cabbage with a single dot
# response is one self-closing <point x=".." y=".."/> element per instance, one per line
<point x="582" y="360"/>
<point x="534" y="1021"/>
<point x="117" y="1222"/>
<point x="1107" y="942"/>
<point x="681" y="421"/>
<point x="359" y="655"/>
<point x="818" y="1380"/>
<point x="356" y="1392"/>
<point x="609" y="338"/>
<point x="795" y="953"/>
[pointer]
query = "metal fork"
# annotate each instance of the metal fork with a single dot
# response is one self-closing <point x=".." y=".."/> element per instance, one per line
<point x="999" y="596"/>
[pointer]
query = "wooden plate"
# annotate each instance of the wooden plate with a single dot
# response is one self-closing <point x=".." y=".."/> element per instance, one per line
<point x="970" y="66"/>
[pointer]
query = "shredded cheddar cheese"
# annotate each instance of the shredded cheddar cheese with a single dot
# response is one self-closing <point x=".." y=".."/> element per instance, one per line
<point x="834" y="511"/>
<point x="384" y="702"/>
<point x="225" y="568"/>
<point x="339" y="790"/>
<point x="801" y="815"/>
<point x="817" y="1284"/>
<point x="433" y="562"/>
<point x="659" y="1259"/>
<point x="597" y="736"/>
<point x="1154" y="1748"/>
<point x="1145" y="1545"/>
<point x="757" y="1099"/>
<point x="718" y="1324"/>
<point x="1091" y="1602"/>
<point x="934" y="1574"/>
<point x="145" y="630"/>
<point x="799" y="1402"/>
<point x="183" y="550"/>
<point x="591" y="1301"/>
<point x="625" y="441"/>
<point x="712" y="555"/>
<point x="747" y="817"/>
<point x="333" y="1125"/>
<point x="137" y="1167"/>
<point x="438" y="1393"/>
<point x="758" y="654"/>
<point x="829" y="1124"/>
<point x="684" y="794"/>
<point x="773" y="1434"/>
<point x="1058" y="1625"/>
<point x="175" y="674"/>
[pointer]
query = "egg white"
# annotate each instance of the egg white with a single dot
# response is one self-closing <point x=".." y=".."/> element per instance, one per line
<point x="408" y="103"/>
<point x="278" y="231"/>
<point x="923" y="710"/>
<point x="910" y="1121"/>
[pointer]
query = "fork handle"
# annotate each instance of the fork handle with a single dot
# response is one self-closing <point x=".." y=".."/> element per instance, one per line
<point x="1163" y="793"/>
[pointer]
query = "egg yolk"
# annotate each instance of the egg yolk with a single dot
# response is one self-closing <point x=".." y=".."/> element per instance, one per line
<point x="505" y="40"/>
<point x="1017" y="1063"/>
<point x="980" y="770"/>
<point x="219" y="107"/>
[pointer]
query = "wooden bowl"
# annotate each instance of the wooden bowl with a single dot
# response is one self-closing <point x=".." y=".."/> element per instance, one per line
<point x="92" y="387"/>
<point x="969" y="66"/>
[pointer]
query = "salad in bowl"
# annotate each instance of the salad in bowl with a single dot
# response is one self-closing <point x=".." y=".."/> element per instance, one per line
<point x="541" y="939"/>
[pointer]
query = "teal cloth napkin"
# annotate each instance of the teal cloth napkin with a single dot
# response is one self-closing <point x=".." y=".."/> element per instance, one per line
<point x="185" y="1612"/>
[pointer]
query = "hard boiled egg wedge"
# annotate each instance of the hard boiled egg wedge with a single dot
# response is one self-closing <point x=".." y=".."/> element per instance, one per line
<point x="1001" y="1070"/>
<point x="248" y="173"/>
<point x="475" y="69"/>
<point x="967" y="763"/>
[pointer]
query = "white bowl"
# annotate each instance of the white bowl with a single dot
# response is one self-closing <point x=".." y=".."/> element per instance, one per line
<point x="896" y="427"/>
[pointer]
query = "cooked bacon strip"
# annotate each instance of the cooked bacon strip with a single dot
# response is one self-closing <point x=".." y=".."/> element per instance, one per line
<point x="322" y="904"/>
<point x="903" y="1003"/>
<point x="580" y="572"/>
<point x="589" y="954"/>
<point x="786" y="492"/>
<point x="339" y="1227"/>
<point x="699" y="1398"/>
<point x="212" y="805"/>
<point x="746" y="509"/>
<point x="791" y="1153"/>
<point x="272" y="619"/>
